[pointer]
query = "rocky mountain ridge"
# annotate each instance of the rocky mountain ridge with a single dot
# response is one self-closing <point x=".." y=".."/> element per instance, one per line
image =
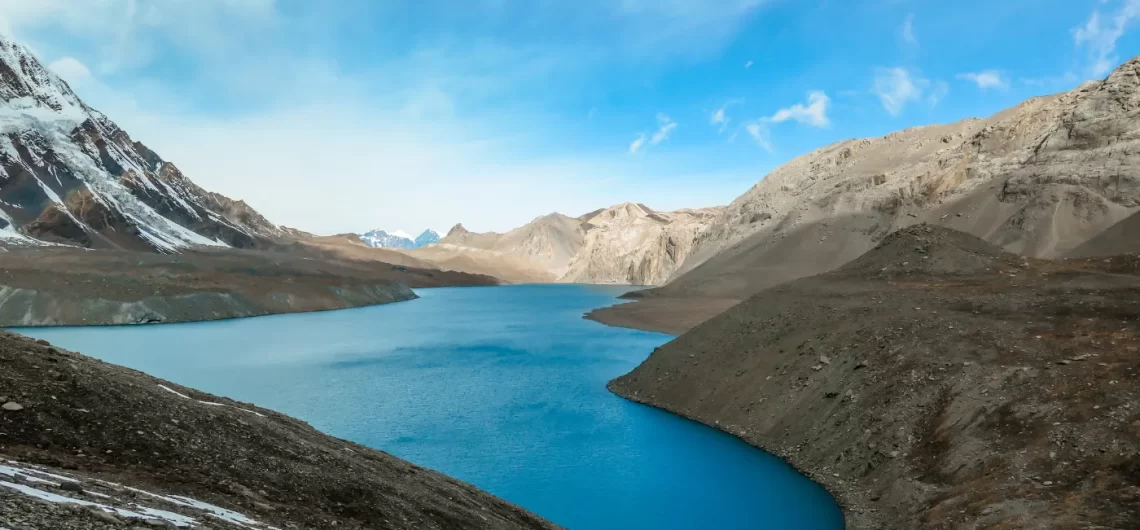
<point x="69" y="175"/>
<point x="1039" y="179"/>
<point x="624" y="244"/>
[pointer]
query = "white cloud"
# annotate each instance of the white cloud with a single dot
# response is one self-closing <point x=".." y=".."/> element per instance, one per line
<point x="71" y="70"/>
<point x="986" y="79"/>
<point x="898" y="87"/>
<point x="720" y="118"/>
<point x="814" y="113"/>
<point x="748" y="64"/>
<point x="908" y="35"/>
<point x="760" y="134"/>
<point x="637" y="143"/>
<point x="665" y="129"/>
<point x="1099" y="36"/>
<point x="126" y="33"/>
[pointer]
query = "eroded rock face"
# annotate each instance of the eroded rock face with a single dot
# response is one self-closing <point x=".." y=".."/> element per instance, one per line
<point x="624" y="244"/>
<point x="632" y="244"/>
<point x="71" y="175"/>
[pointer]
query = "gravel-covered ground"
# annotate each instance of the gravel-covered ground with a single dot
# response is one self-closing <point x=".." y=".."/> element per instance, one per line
<point x="93" y="446"/>
<point x="69" y="286"/>
<point x="933" y="383"/>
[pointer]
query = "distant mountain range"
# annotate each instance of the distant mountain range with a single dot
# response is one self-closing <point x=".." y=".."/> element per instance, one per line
<point x="399" y="239"/>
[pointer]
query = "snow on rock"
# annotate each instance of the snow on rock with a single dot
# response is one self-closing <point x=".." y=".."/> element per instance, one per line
<point x="207" y="403"/>
<point x="69" y="174"/>
<point x="123" y="501"/>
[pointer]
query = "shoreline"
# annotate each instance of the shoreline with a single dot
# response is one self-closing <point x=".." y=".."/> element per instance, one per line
<point x="842" y="496"/>
<point x="16" y="327"/>
<point x="25" y="308"/>
<point x="81" y="445"/>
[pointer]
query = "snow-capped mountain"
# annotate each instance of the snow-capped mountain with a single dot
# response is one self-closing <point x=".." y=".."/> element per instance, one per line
<point x="428" y="237"/>
<point x="69" y="175"/>
<point x="398" y="239"/>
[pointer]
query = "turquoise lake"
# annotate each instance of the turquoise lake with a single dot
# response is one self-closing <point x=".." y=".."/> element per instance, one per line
<point x="502" y="387"/>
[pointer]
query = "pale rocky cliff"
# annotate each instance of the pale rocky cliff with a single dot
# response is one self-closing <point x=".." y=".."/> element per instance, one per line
<point x="632" y="244"/>
<point x="624" y="244"/>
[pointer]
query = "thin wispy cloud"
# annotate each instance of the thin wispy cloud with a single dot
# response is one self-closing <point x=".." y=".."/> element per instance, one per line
<point x="720" y="118"/>
<point x="637" y="144"/>
<point x="814" y="113"/>
<point x="986" y="79"/>
<point x="898" y="87"/>
<point x="666" y="126"/>
<point x="1099" y="35"/>
<point x="908" y="35"/>
<point x="760" y="135"/>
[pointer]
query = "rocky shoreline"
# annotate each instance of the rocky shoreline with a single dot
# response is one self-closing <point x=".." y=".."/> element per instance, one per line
<point x="935" y="382"/>
<point x="87" y="445"/>
<point x="75" y="287"/>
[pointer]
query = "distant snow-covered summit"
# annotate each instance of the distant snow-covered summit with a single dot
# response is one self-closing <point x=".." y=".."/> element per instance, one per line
<point x="398" y="239"/>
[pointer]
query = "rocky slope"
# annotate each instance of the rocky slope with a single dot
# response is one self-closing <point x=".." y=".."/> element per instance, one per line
<point x="1039" y="179"/>
<point x="1120" y="238"/>
<point x="93" y="446"/>
<point x="69" y="175"/>
<point x="933" y="383"/>
<point x="66" y="286"/>
<point x="626" y="244"/>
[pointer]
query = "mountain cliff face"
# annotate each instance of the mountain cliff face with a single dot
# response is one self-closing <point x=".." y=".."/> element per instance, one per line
<point x="625" y="244"/>
<point x="69" y="175"/>
<point x="1038" y="179"/>
<point x="630" y="243"/>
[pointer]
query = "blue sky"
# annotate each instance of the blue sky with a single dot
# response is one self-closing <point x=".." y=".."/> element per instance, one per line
<point x="348" y="115"/>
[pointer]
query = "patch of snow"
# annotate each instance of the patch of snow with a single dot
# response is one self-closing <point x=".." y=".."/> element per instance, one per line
<point x="207" y="403"/>
<point x="173" y="391"/>
<point x="216" y="511"/>
<point x="176" y="519"/>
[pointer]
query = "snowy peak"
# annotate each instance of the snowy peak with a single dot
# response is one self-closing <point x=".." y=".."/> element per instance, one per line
<point x="428" y="237"/>
<point x="398" y="239"/>
<point x="70" y="175"/>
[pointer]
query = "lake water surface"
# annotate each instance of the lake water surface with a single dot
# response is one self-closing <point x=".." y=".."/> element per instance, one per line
<point x="502" y="387"/>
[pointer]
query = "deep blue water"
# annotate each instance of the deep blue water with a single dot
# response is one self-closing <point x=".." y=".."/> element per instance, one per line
<point x="502" y="387"/>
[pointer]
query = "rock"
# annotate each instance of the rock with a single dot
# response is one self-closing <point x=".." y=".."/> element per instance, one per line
<point x="106" y="517"/>
<point x="12" y="406"/>
<point x="824" y="360"/>
<point x="73" y="487"/>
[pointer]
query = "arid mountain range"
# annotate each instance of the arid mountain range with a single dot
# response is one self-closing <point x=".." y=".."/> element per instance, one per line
<point x="1055" y="176"/>
<point x="624" y="244"/>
